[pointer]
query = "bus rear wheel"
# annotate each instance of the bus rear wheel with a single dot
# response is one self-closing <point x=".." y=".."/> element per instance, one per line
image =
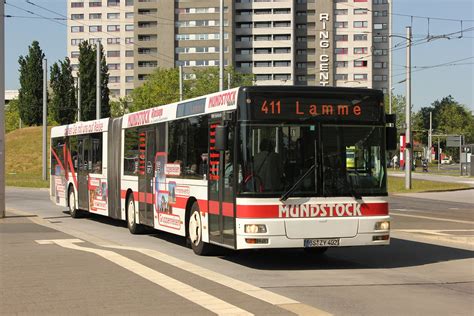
<point x="132" y="225"/>
<point x="73" y="211"/>
<point x="195" y="232"/>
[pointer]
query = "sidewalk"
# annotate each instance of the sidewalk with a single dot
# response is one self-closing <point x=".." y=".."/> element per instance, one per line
<point x="434" y="177"/>
<point x="463" y="196"/>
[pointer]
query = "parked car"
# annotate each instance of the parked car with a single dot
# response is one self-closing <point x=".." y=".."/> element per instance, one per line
<point x="446" y="161"/>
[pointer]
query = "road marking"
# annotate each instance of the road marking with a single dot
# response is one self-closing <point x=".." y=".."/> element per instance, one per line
<point x="425" y="235"/>
<point x="440" y="232"/>
<point x="196" y="296"/>
<point x="245" y="288"/>
<point x="240" y="286"/>
<point x="434" y="218"/>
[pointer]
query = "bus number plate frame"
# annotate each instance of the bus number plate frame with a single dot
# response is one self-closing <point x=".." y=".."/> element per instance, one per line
<point x="322" y="242"/>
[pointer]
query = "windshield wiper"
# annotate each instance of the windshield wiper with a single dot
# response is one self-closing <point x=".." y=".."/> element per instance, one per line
<point x="353" y="192"/>
<point x="285" y="195"/>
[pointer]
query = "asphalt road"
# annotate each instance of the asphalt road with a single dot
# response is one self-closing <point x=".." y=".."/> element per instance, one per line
<point x="53" y="264"/>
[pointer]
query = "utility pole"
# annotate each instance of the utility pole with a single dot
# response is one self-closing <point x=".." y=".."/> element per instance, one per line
<point x="2" y="109"/>
<point x="78" y="98"/>
<point x="390" y="56"/>
<point x="221" y="46"/>
<point x="409" y="145"/>
<point x="180" y="83"/>
<point x="439" y="154"/>
<point x="430" y="135"/>
<point x="45" y="117"/>
<point x="229" y="77"/>
<point x="98" y="94"/>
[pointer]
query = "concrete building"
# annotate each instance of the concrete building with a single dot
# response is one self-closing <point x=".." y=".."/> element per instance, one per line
<point x="297" y="42"/>
<point x="186" y="33"/>
<point x="10" y="95"/>
<point x="111" y="22"/>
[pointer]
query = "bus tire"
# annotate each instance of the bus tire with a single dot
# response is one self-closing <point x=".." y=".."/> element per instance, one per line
<point x="195" y="232"/>
<point x="132" y="225"/>
<point x="73" y="211"/>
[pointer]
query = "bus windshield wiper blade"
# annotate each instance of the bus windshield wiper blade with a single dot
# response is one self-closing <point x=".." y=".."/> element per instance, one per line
<point x="285" y="195"/>
<point x="353" y="192"/>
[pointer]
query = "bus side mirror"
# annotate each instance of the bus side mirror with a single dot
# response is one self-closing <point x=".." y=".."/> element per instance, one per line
<point x="391" y="137"/>
<point x="391" y="118"/>
<point x="221" y="138"/>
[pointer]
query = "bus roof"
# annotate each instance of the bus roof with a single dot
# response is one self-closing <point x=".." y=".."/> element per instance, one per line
<point x="207" y="104"/>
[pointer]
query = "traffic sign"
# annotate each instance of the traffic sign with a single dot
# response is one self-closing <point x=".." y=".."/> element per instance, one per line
<point x="453" y="141"/>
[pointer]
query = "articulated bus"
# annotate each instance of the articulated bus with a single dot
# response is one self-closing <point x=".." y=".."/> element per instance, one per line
<point x="246" y="168"/>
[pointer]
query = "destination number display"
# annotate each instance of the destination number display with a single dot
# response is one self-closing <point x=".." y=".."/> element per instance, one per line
<point x="322" y="109"/>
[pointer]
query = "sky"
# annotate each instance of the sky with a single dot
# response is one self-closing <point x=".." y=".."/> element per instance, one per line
<point x="428" y="85"/>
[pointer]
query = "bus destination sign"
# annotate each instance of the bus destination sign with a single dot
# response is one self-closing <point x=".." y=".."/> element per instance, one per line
<point x="321" y="109"/>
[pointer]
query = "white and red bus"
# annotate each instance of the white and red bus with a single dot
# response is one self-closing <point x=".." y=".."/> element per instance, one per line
<point x="246" y="168"/>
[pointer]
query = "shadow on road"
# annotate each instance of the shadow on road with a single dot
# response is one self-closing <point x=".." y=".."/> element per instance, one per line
<point x="400" y="253"/>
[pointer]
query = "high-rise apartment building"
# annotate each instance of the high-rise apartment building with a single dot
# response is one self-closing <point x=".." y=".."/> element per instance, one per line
<point x="298" y="42"/>
<point x="111" y="23"/>
<point x="173" y="33"/>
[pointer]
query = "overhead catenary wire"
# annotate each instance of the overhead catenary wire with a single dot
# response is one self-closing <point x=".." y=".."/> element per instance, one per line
<point x="161" y="56"/>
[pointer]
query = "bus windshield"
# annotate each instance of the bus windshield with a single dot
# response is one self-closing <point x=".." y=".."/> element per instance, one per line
<point x="275" y="157"/>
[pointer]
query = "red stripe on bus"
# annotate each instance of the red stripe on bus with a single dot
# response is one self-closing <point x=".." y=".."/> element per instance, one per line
<point x="57" y="158"/>
<point x="227" y="208"/>
<point x="69" y="160"/>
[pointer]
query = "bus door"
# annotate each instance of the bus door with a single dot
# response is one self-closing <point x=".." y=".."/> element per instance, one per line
<point x="146" y="169"/>
<point x="221" y="190"/>
<point x="84" y="166"/>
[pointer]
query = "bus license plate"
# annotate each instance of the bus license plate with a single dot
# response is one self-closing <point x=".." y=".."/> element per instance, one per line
<point x="321" y="243"/>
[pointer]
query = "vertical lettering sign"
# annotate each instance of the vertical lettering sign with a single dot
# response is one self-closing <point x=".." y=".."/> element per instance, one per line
<point x="324" y="44"/>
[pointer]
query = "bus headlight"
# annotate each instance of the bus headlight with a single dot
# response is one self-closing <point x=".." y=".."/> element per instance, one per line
<point x="385" y="225"/>
<point x="255" y="228"/>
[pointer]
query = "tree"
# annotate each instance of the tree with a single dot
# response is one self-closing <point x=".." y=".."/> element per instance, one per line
<point x="87" y="73"/>
<point x="63" y="106"/>
<point x="207" y="81"/>
<point x="398" y="108"/>
<point x="30" y="96"/>
<point x="12" y="116"/>
<point x="161" y="87"/>
<point x="119" y="107"/>
<point x="453" y="118"/>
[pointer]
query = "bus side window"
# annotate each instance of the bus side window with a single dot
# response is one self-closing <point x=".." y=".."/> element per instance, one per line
<point x="130" y="155"/>
<point x="96" y="140"/>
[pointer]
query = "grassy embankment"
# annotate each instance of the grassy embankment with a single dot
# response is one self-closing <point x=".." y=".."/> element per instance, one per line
<point x="24" y="165"/>
<point x="23" y="158"/>
<point x="397" y="185"/>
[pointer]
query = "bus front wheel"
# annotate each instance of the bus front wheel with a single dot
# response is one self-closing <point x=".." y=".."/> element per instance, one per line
<point x="132" y="225"/>
<point x="73" y="211"/>
<point x="195" y="232"/>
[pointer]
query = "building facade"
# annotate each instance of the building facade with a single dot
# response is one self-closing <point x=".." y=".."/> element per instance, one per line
<point x="294" y="42"/>
<point x="111" y="23"/>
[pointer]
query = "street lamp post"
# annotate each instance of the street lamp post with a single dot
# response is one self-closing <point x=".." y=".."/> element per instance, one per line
<point x="409" y="145"/>
<point x="408" y="139"/>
